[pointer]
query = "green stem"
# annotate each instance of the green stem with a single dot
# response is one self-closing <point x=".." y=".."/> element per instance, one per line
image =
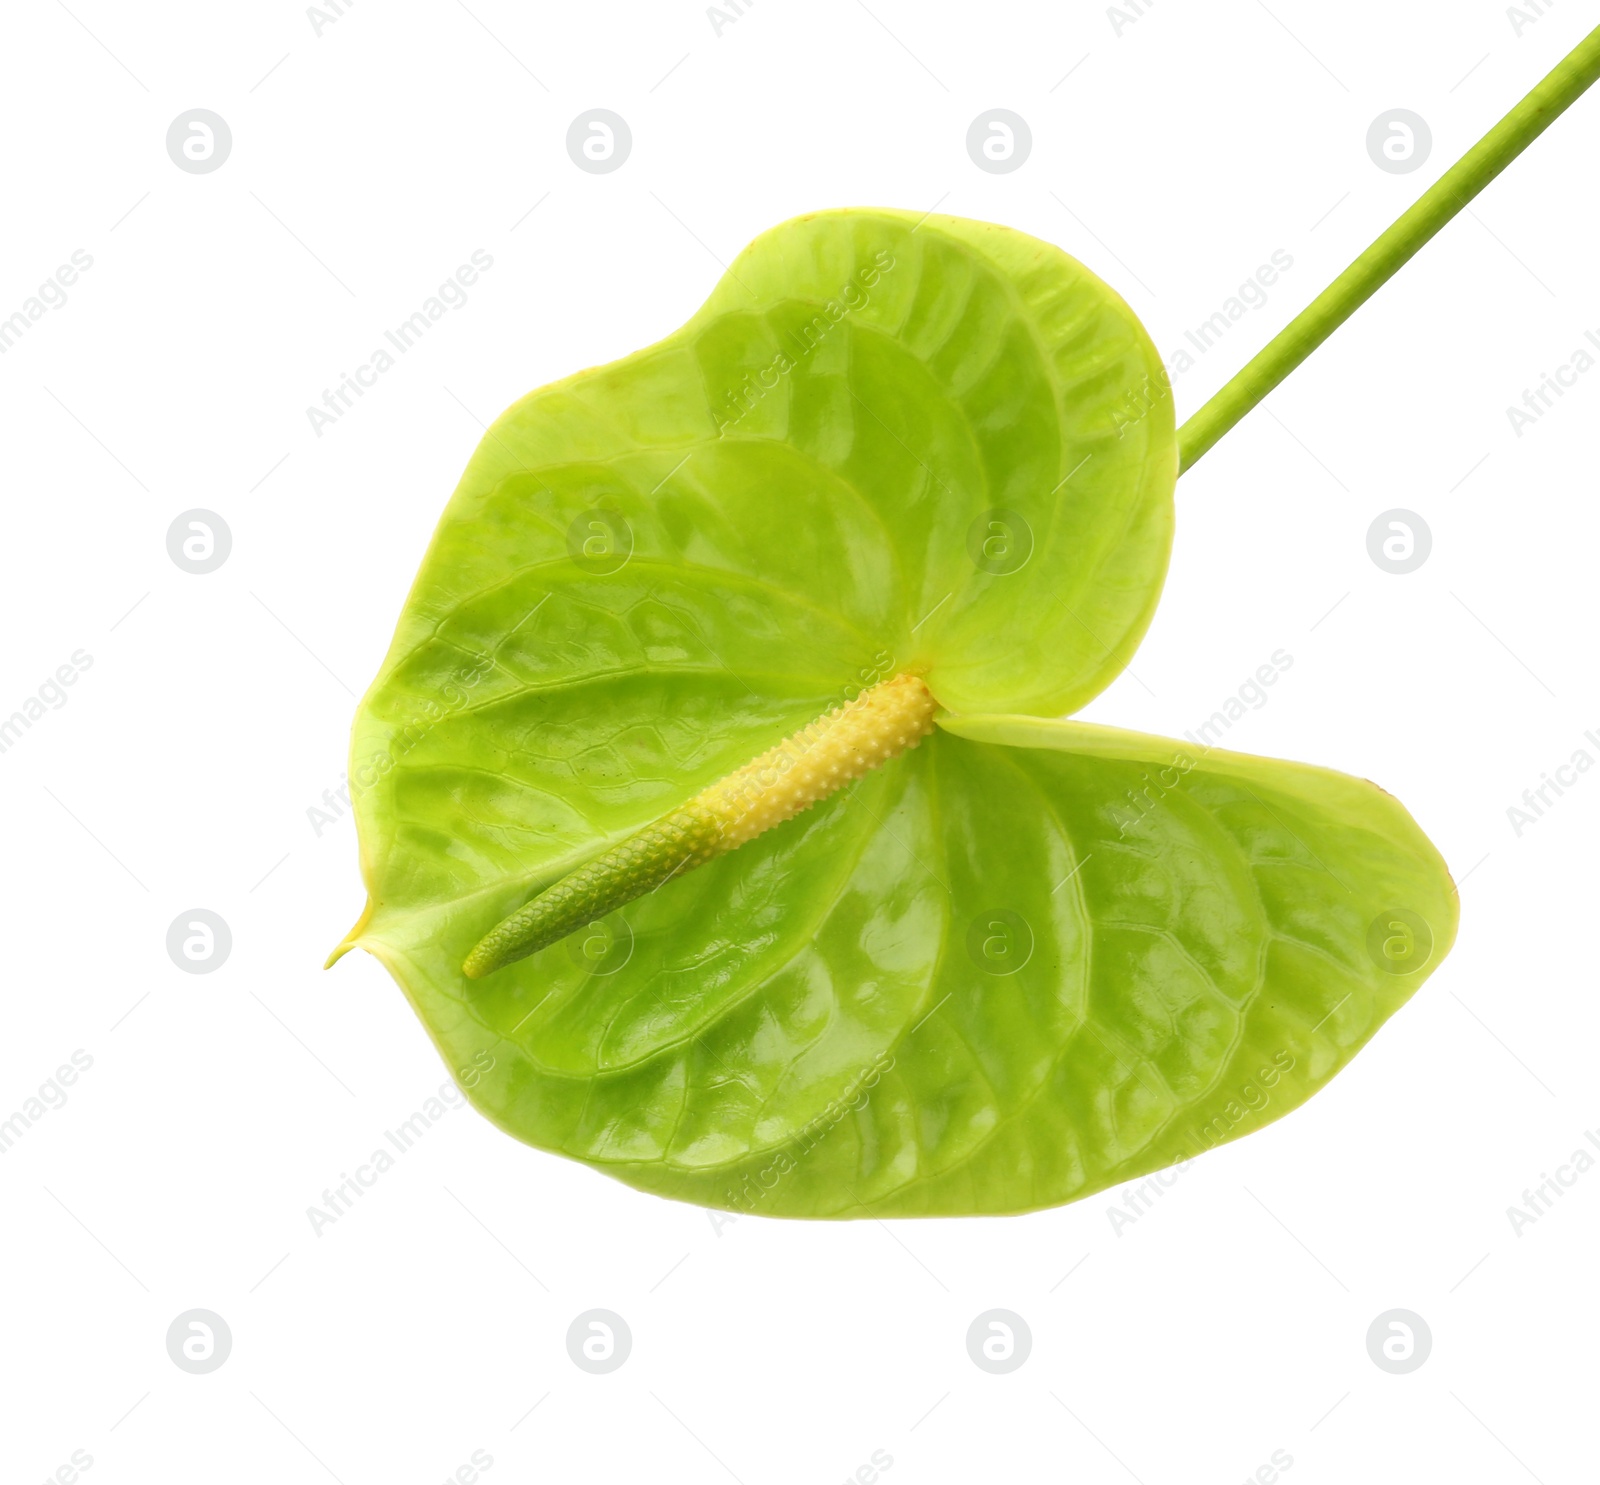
<point x="1375" y="267"/>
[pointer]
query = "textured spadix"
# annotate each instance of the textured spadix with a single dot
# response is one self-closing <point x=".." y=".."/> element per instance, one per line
<point x="813" y="763"/>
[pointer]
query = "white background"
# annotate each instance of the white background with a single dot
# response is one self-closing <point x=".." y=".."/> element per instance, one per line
<point x="1226" y="1323"/>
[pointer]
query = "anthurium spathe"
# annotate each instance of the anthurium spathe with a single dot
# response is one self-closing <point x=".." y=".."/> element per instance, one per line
<point x="715" y="798"/>
<point x="887" y="447"/>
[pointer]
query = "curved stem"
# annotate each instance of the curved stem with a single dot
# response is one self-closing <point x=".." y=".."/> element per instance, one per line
<point x="1437" y="205"/>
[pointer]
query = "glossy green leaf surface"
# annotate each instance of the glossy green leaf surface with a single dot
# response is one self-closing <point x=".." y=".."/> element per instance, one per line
<point x="998" y="973"/>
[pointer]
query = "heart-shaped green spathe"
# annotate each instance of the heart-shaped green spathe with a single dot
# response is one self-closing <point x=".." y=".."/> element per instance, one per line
<point x="886" y="444"/>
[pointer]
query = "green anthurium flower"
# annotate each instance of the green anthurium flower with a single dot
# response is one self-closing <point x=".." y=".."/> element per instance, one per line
<point x="712" y="804"/>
